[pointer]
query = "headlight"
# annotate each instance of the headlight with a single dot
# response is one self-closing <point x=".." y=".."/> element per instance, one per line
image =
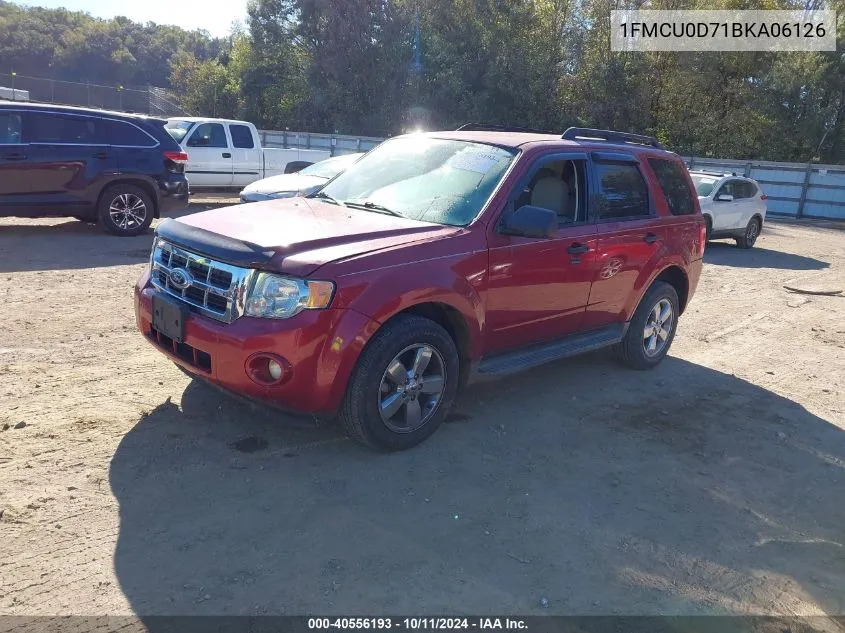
<point x="277" y="297"/>
<point x="283" y="194"/>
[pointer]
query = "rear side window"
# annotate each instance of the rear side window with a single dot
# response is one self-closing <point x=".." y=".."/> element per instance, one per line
<point x="673" y="182"/>
<point x="624" y="192"/>
<point x="208" y="135"/>
<point x="10" y="128"/>
<point x="241" y="136"/>
<point x="745" y="189"/>
<point x="59" y="129"/>
<point x="127" y="135"/>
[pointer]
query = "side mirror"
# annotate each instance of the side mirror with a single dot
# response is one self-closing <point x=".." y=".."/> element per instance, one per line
<point x="529" y="221"/>
<point x="724" y="197"/>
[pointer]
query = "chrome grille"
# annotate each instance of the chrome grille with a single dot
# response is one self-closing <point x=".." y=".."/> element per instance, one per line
<point x="212" y="288"/>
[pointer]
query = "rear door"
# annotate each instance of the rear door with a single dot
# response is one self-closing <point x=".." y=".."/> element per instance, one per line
<point x="70" y="161"/>
<point x="630" y="235"/>
<point x="210" y="161"/>
<point x="15" y="172"/>
<point x="538" y="288"/>
<point x="246" y="155"/>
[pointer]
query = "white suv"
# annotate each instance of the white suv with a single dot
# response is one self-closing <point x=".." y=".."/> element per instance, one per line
<point x="732" y="206"/>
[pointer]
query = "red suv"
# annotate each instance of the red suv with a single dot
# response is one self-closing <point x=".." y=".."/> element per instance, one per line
<point x="435" y="260"/>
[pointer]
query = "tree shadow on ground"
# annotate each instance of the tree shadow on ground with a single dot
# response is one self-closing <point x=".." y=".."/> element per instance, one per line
<point x="678" y="491"/>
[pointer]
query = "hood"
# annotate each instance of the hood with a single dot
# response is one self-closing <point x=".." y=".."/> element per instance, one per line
<point x="297" y="235"/>
<point x="285" y="182"/>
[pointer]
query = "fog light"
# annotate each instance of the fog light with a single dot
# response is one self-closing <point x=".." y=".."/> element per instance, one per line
<point x="274" y="368"/>
<point x="268" y="369"/>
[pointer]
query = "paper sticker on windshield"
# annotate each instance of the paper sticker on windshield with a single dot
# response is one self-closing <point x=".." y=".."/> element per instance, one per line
<point x="478" y="161"/>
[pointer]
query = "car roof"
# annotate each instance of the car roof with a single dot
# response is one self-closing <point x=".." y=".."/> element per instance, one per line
<point x="719" y="175"/>
<point x="525" y="140"/>
<point x="52" y="107"/>
<point x="204" y="119"/>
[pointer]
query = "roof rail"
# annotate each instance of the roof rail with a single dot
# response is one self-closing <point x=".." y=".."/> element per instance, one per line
<point x="610" y="136"/>
<point x="714" y="172"/>
<point x="484" y="127"/>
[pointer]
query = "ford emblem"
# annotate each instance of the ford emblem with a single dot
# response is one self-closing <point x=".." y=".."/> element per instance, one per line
<point x="180" y="278"/>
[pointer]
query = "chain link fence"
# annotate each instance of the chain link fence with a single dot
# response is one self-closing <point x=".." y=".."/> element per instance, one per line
<point x="150" y="100"/>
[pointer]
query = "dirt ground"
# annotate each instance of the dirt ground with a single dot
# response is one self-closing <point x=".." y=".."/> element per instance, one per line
<point x="714" y="484"/>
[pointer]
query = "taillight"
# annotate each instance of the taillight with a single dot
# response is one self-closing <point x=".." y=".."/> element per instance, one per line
<point x="180" y="158"/>
<point x="702" y="238"/>
<point x="763" y="196"/>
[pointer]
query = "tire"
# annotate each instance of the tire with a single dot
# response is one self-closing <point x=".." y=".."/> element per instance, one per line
<point x="125" y="210"/>
<point x="631" y="351"/>
<point x="373" y="388"/>
<point x="751" y="233"/>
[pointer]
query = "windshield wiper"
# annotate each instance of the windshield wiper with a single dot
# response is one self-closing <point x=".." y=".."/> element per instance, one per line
<point x="372" y="206"/>
<point x="327" y="198"/>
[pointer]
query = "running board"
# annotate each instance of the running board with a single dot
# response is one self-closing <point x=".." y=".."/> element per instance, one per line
<point x="536" y="355"/>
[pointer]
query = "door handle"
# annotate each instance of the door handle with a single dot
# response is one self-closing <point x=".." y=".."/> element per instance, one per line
<point x="227" y="155"/>
<point x="650" y="238"/>
<point x="101" y="155"/>
<point x="15" y="157"/>
<point x="578" y="249"/>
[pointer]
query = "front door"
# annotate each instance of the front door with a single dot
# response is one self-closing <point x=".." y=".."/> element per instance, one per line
<point x="15" y="181"/>
<point x="728" y="214"/>
<point x="209" y="157"/>
<point x="538" y="288"/>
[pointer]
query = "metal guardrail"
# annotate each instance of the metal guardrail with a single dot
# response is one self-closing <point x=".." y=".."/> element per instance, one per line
<point x="335" y="144"/>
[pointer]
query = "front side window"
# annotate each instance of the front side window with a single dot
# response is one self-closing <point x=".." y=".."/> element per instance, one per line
<point x="208" y="135"/>
<point x="10" y="128"/>
<point x="728" y="189"/>
<point x="624" y="192"/>
<point x="673" y="182"/>
<point x="241" y="137"/>
<point x="59" y="129"/>
<point x="560" y="186"/>
<point x="423" y="178"/>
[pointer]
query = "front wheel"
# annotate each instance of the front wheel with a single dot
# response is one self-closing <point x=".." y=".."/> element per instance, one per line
<point x="652" y="329"/>
<point x="752" y="231"/>
<point x="125" y="210"/>
<point x="403" y="385"/>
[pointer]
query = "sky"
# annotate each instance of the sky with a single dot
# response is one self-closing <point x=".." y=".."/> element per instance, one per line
<point x="214" y="16"/>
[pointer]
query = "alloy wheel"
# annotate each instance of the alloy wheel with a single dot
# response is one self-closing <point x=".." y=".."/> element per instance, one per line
<point x="127" y="211"/>
<point x="412" y="388"/>
<point x="658" y="328"/>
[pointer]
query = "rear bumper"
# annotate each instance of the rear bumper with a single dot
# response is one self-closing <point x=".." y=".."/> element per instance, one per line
<point x="321" y="348"/>
<point x="172" y="195"/>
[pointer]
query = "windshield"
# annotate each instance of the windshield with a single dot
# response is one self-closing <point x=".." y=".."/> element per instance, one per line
<point x="428" y="179"/>
<point x="703" y="184"/>
<point x="178" y="129"/>
<point x="330" y="167"/>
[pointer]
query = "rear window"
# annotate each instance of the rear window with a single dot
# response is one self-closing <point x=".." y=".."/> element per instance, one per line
<point x="673" y="182"/>
<point x="127" y="135"/>
<point x="624" y="192"/>
<point x="241" y="136"/>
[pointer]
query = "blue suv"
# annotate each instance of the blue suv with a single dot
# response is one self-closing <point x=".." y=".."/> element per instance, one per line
<point x="121" y="170"/>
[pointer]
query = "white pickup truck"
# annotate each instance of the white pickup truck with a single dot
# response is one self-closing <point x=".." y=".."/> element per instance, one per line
<point x="226" y="153"/>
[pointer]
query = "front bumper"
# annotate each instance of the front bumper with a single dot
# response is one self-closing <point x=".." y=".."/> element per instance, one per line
<point x="321" y="347"/>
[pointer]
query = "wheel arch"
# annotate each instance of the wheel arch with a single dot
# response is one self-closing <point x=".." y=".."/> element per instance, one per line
<point x="676" y="277"/>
